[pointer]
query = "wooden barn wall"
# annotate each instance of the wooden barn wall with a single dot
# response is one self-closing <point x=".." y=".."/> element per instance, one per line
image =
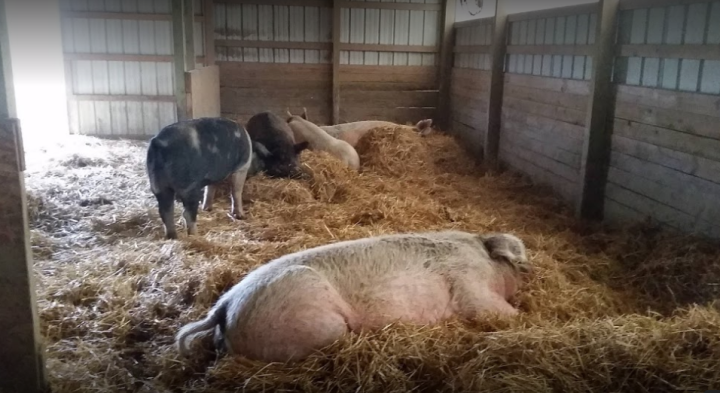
<point x="119" y="68"/>
<point x="469" y="88"/>
<point x="274" y="57"/>
<point x="254" y="78"/>
<point x="665" y="160"/>
<point x="545" y="98"/>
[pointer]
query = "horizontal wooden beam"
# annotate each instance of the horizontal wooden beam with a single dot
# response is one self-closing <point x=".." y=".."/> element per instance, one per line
<point x="474" y="22"/>
<point x="686" y="51"/>
<point x="121" y="15"/>
<point x="390" y="48"/>
<point x="472" y="49"/>
<point x="274" y="44"/>
<point x="136" y="98"/>
<point x="326" y="46"/>
<point x="390" y="6"/>
<point x="122" y="57"/>
<point x="300" y="3"/>
<point x="574" y="50"/>
<point x="555" y="12"/>
<point x="635" y="4"/>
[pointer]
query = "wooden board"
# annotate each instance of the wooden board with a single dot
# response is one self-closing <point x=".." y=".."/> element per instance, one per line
<point x="23" y="369"/>
<point x="577" y="102"/>
<point x="701" y="207"/>
<point x="544" y="156"/>
<point x="471" y="138"/>
<point x="398" y="115"/>
<point x="676" y="101"/>
<point x="249" y="88"/>
<point x="203" y="92"/>
<point x="700" y="125"/>
<point x="525" y="162"/>
<point x="567" y="115"/>
<point x="673" y="159"/>
<point x="668" y="138"/>
<point x="660" y="212"/>
<point x="388" y="99"/>
<point x="553" y="84"/>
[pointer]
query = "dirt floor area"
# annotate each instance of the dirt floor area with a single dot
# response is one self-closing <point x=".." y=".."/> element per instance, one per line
<point x="629" y="309"/>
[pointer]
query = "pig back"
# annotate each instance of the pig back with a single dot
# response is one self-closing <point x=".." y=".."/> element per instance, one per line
<point x="403" y="278"/>
<point x="202" y="151"/>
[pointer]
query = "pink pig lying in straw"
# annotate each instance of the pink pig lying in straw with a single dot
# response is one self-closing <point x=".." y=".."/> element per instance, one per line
<point x="302" y="302"/>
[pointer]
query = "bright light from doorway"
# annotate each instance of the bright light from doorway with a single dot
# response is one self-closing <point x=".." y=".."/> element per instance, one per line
<point x="38" y="70"/>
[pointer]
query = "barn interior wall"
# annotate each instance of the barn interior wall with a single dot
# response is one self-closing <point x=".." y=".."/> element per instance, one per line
<point x="664" y="160"/>
<point x="274" y="57"/>
<point x="119" y="65"/>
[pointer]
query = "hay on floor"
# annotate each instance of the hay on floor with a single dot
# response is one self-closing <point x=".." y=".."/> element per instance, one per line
<point x="625" y="309"/>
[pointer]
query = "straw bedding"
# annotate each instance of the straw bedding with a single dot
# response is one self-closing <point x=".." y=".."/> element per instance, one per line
<point x="608" y="310"/>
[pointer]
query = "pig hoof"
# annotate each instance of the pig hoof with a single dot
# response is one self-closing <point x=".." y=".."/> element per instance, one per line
<point x="171" y="236"/>
<point x="207" y="208"/>
<point x="236" y="216"/>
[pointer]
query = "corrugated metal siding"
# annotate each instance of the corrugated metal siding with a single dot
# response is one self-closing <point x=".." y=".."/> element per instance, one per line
<point x="480" y="34"/>
<point x="390" y="27"/>
<point x="674" y="25"/>
<point x="97" y="87"/>
<point x="562" y="30"/>
<point x="251" y="22"/>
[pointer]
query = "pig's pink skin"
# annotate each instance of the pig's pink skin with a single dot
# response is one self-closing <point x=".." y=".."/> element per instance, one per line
<point x="300" y="303"/>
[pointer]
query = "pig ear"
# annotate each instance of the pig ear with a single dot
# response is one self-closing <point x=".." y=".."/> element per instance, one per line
<point x="304" y="115"/>
<point x="301" y="146"/>
<point x="261" y="150"/>
<point x="507" y="248"/>
<point x="288" y="113"/>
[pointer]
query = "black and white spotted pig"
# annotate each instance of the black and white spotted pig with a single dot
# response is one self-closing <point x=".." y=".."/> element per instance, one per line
<point x="189" y="155"/>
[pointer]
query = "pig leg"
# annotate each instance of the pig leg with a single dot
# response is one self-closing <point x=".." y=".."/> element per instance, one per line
<point x="237" y="181"/>
<point x="166" y="208"/>
<point x="209" y="197"/>
<point x="191" y="203"/>
<point x="474" y="300"/>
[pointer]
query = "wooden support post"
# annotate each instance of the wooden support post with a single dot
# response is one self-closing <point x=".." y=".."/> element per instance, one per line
<point x="598" y="133"/>
<point x="497" y="85"/>
<point x="446" y="65"/>
<point x="23" y="362"/>
<point x="337" y="14"/>
<point x="189" y="34"/>
<point x="23" y="365"/>
<point x="209" y="31"/>
<point x="179" y="58"/>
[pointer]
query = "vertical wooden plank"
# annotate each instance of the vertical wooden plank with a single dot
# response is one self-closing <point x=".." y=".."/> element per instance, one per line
<point x="209" y="27"/>
<point x="179" y="59"/>
<point x="24" y="367"/>
<point x="497" y="84"/>
<point x="336" y="30"/>
<point x="597" y="137"/>
<point x="447" y="41"/>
